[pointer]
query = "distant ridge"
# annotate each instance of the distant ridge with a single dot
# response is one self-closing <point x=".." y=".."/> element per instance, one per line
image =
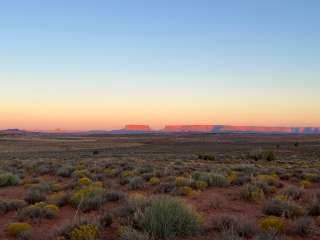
<point x="240" y="129"/>
<point x="141" y="129"/>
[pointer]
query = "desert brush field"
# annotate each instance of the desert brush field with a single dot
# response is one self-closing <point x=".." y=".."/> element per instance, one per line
<point x="153" y="186"/>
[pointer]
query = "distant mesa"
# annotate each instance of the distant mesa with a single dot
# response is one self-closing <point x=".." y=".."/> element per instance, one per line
<point x="137" y="128"/>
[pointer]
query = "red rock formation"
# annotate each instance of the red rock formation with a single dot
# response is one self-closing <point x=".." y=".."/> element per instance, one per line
<point x="136" y="127"/>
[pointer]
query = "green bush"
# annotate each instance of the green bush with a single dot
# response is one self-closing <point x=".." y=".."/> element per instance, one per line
<point x="88" y="198"/>
<point x="11" y="205"/>
<point x="168" y="217"/>
<point x="8" y="179"/>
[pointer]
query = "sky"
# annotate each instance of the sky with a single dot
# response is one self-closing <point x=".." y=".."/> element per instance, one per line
<point x="98" y="64"/>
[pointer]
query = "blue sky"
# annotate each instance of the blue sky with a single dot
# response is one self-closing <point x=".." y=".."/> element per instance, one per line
<point x="235" y="62"/>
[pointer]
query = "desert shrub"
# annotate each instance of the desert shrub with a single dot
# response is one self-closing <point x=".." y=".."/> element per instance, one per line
<point x="105" y="219"/>
<point x="8" y="179"/>
<point x="271" y="180"/>
<point x="88" y="198"/>
<point x="154" y="181"/>
<point x="240" y="226"/>
<point x="269" y="155"/>
<point x="292" y="192"/>
<point x="251" y="192"/>
<point x="80" y="173"/>
<point x="223" y="222"/>
<point x="229" y="234"/>
<point x="312" y="177"/>
<point x="77" y="229"/>
<point x="260" y="154"/>
<point x="313" y="208"/>
<point x="305" y="183"/>
<point x="256" y="154"/>
<point x="65" y="171"/>
<point x="19" y="230"/>
<point x="35" y="194"/>
<point x="246" y="227"/>
<point x="128" y="233"/>
<point x="60" y="199"/>
<point x="109" y="172"/>
<point x="39" y="210"/>
<point x="302" y="226"/>
<point x="168" y="217"/>
<point x="165" y="187"/>
<point x="267" y="189"/>
<point x="137" y="202"/>
<point x="11" y="205"/>
<point x="232" y="176"/>
<point x="271" y="235"/>
<point x="241" y="179"/>
<point x="272" y="224"/>
<point x="113" y="196"/>
<point x="85" y="232"/>
<point x="84" y="181"/>
<point x="128" y="173"/>
<point x="136" y="183"/>
<point x="201" y="185"/>
<point x="277" y="207"/>
<point x="182" y="181"/>
<point x="213" y="179"/>
<point x="207" y="157"/>
<point x="184" y="191"/>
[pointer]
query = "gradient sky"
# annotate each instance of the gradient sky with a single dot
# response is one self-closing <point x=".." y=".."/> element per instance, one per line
<point x="101" y="64"/>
